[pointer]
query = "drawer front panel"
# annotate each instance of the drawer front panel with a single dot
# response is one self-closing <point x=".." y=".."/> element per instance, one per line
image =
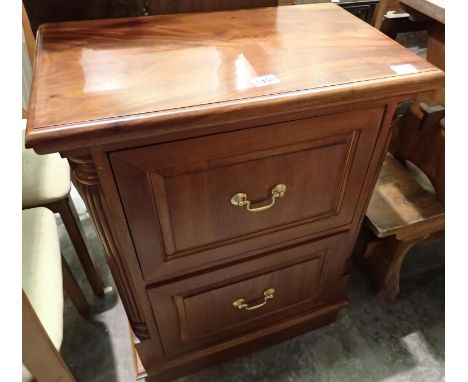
<point x="314" y="195"/>
<point x="223" y="303"/>
<point x="178" y="196"/>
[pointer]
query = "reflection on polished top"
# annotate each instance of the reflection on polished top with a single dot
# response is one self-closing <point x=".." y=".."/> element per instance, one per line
<point x="96" y="70"/>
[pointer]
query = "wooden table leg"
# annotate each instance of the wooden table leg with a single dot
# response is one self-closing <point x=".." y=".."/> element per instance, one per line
<point x="383" y="265"/>
<point x="70" y="218"/>
<point x="73" y="290"/>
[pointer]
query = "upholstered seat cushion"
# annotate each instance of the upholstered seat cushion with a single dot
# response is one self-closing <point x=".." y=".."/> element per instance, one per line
<point x="42" y="272"/>
<point x="46" y="178"/>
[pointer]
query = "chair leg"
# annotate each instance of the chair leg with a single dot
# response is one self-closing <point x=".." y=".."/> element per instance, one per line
<point x="40" y="356"/>
<point x="73" y="290"/>
<point x="362" y="245"/>
<point x="70" y="218"/>
<point x="382" y="261"/>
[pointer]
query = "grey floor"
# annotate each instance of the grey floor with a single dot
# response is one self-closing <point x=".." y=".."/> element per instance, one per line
<point x="369" y="341"/>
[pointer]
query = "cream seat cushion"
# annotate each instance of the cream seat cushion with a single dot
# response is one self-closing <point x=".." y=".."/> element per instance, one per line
<point x="42" y="272"/>
<point x="46" y="178"/>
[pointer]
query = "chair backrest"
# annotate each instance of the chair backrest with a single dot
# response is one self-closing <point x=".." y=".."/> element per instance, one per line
<point x="422" y="148"/>
<point x="155" y="7"/>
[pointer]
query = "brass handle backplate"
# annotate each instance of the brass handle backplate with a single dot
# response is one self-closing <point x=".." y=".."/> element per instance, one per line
<point x="241" y="304"/>
<point x="240" y="199"/>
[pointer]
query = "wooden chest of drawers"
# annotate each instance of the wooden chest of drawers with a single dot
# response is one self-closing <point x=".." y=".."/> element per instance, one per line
<point x="226" y="160"/>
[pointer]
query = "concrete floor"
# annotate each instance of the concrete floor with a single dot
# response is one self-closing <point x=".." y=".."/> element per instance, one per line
<point x="369" y="341"/>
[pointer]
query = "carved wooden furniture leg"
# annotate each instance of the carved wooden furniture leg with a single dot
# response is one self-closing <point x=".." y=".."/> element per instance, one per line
<point x="383" y="259"/>
<point x="70" y="218"/>
<point x="86" y="182"/>
<point x="43" y="360"/>
<point x="73" y="290"/>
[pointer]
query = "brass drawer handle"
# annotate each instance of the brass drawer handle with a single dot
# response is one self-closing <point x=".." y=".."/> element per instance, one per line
<point x="240" y="199"/>
<point x="241" y="304"/>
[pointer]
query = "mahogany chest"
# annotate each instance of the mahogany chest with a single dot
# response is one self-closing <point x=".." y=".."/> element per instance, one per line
<point x="227" y="160"/>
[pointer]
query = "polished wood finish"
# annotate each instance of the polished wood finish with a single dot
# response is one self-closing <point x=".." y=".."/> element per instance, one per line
<point x="204" y="313"/>
<point x="248" y="343"/>
<point x="39" y="354"/>
<point x="87" y="183"/>
<point x="112" y="87"/>
<point x="157" y="151"/>
<point x="173" y="171"/>
<point x="245" y="344"/>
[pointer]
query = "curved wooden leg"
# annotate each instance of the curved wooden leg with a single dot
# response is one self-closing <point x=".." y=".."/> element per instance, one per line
<point x="73" y="290"/>
<point x="70" y="218"/>
<point x="383" y="264"/>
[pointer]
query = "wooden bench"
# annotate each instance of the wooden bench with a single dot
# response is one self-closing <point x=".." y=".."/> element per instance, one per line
<point x="407" y="205"/>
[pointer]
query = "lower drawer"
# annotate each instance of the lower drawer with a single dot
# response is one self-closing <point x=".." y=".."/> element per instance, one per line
<point x="219" y="304"/>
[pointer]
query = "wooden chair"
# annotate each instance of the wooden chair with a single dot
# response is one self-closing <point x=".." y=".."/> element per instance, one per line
<point x="46" y="183"/>
<point x="407" y="205"/>
<point x="383" y="8"/>
<point x="44" y="276"/>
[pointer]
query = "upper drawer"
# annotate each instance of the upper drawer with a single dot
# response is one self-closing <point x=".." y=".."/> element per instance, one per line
<point x="178" y="196"/>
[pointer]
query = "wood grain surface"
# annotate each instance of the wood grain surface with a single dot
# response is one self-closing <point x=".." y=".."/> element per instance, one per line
<point x="399" y="203"/>
<point x="89" y="75"/>
<point x="196" y="312"/>
<point x="166" y="188"/>
<point x="162" y="122"/>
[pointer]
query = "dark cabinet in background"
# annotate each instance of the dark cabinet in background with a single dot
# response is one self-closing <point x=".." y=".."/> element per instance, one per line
<point x="364" y="9"/>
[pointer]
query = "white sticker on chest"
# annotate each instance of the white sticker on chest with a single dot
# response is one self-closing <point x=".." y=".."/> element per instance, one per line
<point x="404" y="69"/>
<point x="269" y="79"/>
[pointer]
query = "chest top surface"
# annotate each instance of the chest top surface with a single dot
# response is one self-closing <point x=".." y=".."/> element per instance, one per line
<point x="88" y="73"/>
